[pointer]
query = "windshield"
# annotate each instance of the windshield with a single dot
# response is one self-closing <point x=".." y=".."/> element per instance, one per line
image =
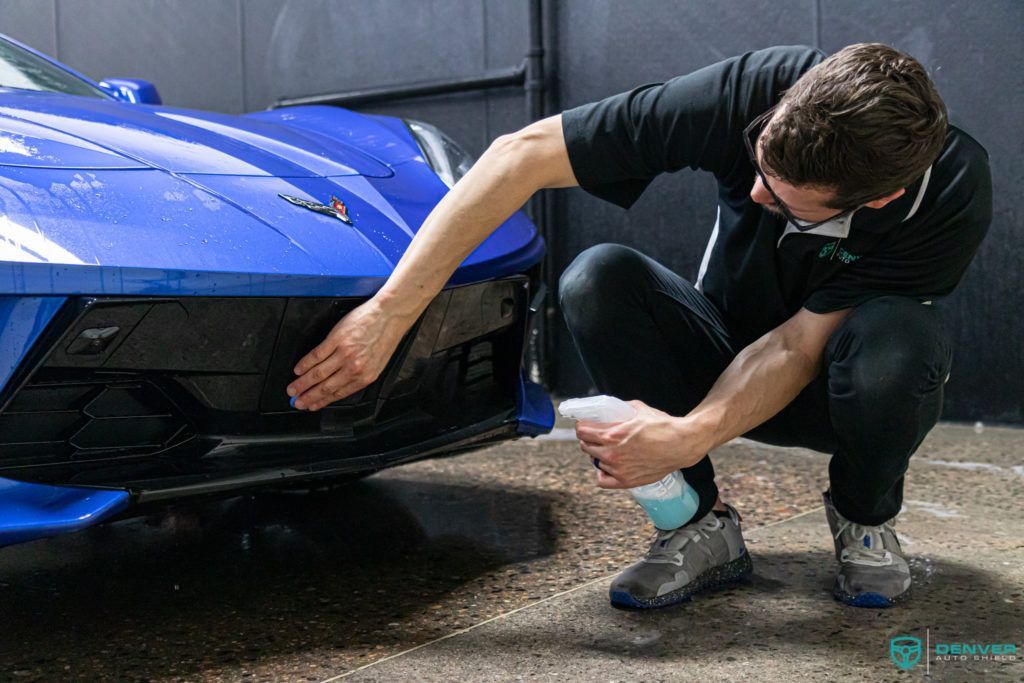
<point x="23" y="70"/>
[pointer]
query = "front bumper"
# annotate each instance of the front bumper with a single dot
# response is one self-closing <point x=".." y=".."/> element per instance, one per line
<point x="170" y="397"/>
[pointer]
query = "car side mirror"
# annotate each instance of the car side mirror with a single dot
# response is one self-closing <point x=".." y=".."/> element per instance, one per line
<point x="131" y="90"/>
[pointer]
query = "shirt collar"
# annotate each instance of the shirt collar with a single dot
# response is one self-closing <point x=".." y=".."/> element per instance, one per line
<point x="840" y="227"/>
<point x="895" y="212"/>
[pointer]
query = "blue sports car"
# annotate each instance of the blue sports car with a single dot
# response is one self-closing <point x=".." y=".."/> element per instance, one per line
<point x="162" y="270"/>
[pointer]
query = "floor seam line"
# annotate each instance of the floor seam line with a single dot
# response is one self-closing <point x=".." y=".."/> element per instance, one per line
<point x="532" y="604"/>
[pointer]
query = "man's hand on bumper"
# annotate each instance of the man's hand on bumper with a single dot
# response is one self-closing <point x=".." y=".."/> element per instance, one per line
<point x="351" y="357"/>
<point x="641" y="450"/>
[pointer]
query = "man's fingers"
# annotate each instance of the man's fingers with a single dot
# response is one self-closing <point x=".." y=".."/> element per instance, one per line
<point x="607" y="481"/>
<point x="317" y="396"/>
<point x="329" y="392"/>
<point x="594" y="451"/>
<point x="315" y="375"/>
<point x="601" y="455"/>
<point x="318" y="355"/>
<point x="590" y="432"/>
<point x="605" y="470"/>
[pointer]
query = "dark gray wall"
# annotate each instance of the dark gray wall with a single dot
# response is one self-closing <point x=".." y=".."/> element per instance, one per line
<point x="238" y="55"/>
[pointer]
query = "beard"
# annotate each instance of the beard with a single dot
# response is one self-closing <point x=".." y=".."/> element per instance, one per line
<point x="774" y="210"/>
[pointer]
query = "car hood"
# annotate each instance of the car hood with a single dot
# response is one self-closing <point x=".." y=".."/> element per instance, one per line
<point x="114" y="203"/>
<point x="83" y="133"/>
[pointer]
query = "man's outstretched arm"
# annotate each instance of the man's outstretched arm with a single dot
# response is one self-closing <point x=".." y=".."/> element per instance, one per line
<point x="760" y="381"/>
<point x="356" y="351"/>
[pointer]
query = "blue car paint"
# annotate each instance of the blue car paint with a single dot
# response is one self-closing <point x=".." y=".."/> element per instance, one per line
<point x="31" y="511"/>
<point x="109" y="198"/>
<point x="535" y="413"/>
<point x="22" y="320"/>
<point x="385" y="137"/>
<point x="147" y="205"/>
<point x="172" y="140"/>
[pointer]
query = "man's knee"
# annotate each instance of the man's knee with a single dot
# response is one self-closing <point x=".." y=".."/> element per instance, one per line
<point x="889" y="348"/>
<point x="596" y="275"/>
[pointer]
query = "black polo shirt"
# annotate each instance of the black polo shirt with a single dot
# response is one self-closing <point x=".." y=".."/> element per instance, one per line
<point x="757" y="268"/>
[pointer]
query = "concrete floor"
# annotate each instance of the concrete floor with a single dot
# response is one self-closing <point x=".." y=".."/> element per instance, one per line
<point x="495" y="565"/>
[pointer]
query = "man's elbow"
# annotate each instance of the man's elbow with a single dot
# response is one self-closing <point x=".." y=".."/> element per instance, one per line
<point x="806" y="335"/>
<point x="797" y="355"/>
<point x="538" y="151"/>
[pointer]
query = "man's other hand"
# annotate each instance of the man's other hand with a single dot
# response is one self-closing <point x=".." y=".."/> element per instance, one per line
<point x="351" y="357"/>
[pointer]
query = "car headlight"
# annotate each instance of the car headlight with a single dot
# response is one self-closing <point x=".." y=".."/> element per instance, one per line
<point x="448" y="160"/>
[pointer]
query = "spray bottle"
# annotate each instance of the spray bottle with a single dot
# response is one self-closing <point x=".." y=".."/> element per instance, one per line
<point x="670" y="502"/>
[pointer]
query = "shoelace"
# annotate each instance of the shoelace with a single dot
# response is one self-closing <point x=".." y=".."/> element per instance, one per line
<point x="661" y="550"/>
<point x="858" y="553"/>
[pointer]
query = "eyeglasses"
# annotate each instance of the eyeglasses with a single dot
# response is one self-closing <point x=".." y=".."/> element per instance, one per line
<point x="798" y="223"/>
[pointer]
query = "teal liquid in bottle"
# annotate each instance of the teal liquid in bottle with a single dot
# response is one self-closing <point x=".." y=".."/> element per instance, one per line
<point x="671" y="503"/>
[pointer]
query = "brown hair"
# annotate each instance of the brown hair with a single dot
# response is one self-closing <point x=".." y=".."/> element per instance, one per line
<point x="864" y="123"/>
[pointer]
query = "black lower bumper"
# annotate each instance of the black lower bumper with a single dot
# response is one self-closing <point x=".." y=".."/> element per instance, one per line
<point x="168" y="395"/>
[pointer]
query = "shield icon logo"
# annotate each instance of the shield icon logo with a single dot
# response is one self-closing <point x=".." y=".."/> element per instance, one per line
<point x="905" y="651"/>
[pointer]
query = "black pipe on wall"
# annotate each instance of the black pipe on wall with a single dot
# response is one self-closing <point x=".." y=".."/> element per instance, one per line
<point x="515" y="76"/>
<point x="539" y="207"/>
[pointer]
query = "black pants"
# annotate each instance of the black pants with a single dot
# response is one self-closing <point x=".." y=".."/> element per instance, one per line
<point x="645" y="333"/>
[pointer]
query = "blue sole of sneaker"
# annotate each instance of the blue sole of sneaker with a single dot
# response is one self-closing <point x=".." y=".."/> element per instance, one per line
<point x="717" y="577"/>
<point x="867" y="600"/>
<point x="873" y="600"/>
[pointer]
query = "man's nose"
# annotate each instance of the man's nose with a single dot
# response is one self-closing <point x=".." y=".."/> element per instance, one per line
<point x="759" y="193"/>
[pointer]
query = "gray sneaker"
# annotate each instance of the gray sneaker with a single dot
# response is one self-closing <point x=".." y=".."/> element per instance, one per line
<point x="872" y="569"/>
<point x="704" y="554"/>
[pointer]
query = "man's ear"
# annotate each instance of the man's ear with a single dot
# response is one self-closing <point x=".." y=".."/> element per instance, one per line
<point x="882" y="201"/>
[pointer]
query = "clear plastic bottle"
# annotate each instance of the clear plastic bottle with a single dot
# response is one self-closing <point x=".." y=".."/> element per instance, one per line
<point x="670" y="502"/>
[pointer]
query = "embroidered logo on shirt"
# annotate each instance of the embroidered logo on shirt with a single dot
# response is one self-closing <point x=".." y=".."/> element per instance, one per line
<point x="843" y="255"/>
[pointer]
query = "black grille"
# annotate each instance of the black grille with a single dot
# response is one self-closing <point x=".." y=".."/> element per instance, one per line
<point x="79" y="421"/>
<point x="130" y="389"/>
